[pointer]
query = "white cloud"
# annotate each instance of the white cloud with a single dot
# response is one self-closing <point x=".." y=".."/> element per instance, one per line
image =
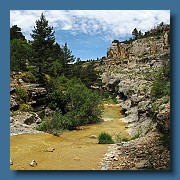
<point x="107" y="23"/>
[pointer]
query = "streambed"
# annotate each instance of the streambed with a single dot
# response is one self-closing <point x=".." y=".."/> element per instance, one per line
<point x="72" y="150"/>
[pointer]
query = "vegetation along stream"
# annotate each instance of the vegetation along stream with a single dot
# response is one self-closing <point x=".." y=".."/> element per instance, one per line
<point x="72" y="150"/>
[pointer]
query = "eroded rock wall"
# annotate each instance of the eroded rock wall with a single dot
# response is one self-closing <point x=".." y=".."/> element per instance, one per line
<point x="129" y="72"/>
<point x="141" y="50"/>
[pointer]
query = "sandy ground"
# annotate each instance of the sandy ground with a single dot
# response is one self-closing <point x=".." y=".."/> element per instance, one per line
<point x="73" y="150"/>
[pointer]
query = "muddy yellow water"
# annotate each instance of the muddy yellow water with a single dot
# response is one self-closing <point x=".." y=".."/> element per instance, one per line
<point x="72" y="150"/>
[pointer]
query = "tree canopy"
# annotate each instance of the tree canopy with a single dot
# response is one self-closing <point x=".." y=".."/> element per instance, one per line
<point x="15" y="33"/>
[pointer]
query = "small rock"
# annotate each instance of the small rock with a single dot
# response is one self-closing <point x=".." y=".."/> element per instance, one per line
<point x="50" y="149"/>
<point x="38" y="120"/>
<point x="93" y="136"/>
<point x="76" y="159"/>
<point x="20" y="81"/>
<point x="11" y="162"/>
<point x="11" y="119"/>
<point x="115" y="158"/>
<point x="33" y="163"/>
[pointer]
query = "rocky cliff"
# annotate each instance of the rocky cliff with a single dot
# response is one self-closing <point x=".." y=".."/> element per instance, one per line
<point x="28" y="103"/>
<point x="153" y="46"/>
<point x="129" y="72"/>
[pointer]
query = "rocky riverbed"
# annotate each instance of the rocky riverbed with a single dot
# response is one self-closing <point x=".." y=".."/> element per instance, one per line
<point x="145" y="153"/>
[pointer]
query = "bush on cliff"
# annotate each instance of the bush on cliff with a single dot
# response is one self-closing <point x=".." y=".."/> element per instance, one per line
<point x="28" y="77"/>
<point x="161" y="86"/>
<point x="22" y="95"/>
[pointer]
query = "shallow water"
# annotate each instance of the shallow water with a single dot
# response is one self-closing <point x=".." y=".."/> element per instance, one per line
<point x="73" y="150"/>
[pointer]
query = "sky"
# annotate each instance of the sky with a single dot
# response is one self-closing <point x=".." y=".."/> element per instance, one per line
<point x="88" y="33"/>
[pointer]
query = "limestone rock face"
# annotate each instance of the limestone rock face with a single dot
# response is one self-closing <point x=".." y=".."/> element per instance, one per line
<point x="163" y="119"/>
<point x="129" y="72"/>
<point x="24" y="122"/>
<point x="14" y="104"/>
<point x="155" y="46"/>
<point x="37" y="95"/>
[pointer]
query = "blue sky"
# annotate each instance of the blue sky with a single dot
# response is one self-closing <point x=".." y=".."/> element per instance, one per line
<point x="89" y="33"/>
<point x="83" y="45"/>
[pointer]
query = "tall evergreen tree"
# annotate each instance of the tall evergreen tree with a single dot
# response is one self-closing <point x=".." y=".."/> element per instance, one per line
<point x="66" y="58"/>
<point x="42" y="44"/>
<point x="56" y="68"/>
<point x="15" y="33"/>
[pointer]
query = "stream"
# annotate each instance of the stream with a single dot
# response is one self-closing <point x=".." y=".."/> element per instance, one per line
<point x="72" y="150"/>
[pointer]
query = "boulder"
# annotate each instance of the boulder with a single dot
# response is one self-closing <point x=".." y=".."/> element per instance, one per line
<point x="163" y="118"/>
<point x="143" y="106"/>
<point x="14" y="104"/>
<point x="143" y="164"/>
<point x="26" y="118"/>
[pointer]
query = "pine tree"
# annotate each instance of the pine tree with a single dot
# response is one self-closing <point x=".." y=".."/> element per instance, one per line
<point x="140" y="34"/>
<point x="42" y="44"/>
<point x="66" y="58"/>
<point x="135" y="33"/>
<point x="15" y="33"/>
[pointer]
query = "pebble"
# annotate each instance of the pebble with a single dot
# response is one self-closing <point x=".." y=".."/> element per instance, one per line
<point x="11" y="162"/>
<point x="33" y="163"/>
<point x="76" y="159"/>
<point x="50" y="150"/>
<point x="93" y="136"/>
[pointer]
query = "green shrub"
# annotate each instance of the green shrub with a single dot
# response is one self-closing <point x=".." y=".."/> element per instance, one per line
<point x="109" y="97"/>
<point x="28" y="77"/>
<point x="156" y="104"/>
<point x="74" y="103"/>
<point x="159" y="89"/>
<point x="105" y="138"/>
<point x="21" y="95"/>
<point x="125" y="139"/>
<point x="135" y="136"/>
<point x="161" y="86"/>
<point x="42" y="126"/>
<point x="114" y="98"/>
<point x="119" y="139"/>
<point x="25" y="107"/>
<point x="51" y="123"/>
